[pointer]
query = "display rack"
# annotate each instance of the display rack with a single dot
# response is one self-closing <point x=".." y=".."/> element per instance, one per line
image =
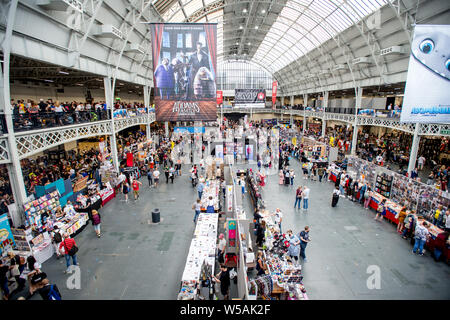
<point x="34" y="210"/>
<point x="383" y="184"/>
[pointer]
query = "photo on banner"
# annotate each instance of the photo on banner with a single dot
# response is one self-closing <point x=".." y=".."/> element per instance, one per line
<point x="185" y="68"/>
<point x="427" y="91"/>
<point x="250" y="98"/>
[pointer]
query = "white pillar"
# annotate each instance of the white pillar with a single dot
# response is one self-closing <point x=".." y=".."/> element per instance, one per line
<point x="147" y="105"/>
<point x="325" y="106"/>
<point x="291" y="118"/>
<point x="109" y="97"/>
<point x="14" y="169"/>
<point x="305" y="104"/>
<point x="359" y="92"/>
<point x="166" y="127"/>
<point x="414" y="150"/>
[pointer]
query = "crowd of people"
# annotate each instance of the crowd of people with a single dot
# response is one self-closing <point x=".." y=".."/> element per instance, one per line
<point x="49" y="113"/>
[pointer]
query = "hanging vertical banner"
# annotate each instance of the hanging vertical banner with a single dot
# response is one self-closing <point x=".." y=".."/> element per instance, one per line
<point x="229" y="198"/>
<point x="6" y="237"/>
<point x="219" y="97"/>
<point x="232" y="233"/>
<point x="185" y="68"/>
<point x="274" y="93"/>
<point x="427" y="91"/>
<point x="129" y="159"/>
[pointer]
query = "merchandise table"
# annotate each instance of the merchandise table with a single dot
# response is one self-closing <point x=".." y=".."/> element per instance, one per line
<point x="107" y="196"/>
<point x="211" y="188"/>
<point x="392" y="208"/>
<point x="202" y="251"/>
<point x="43" y="252"/>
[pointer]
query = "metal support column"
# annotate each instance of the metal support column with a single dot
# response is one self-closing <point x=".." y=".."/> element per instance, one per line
<point x="305" y="104"/>
<point x="325" y="106"/>
<point x="166" y="128"/>
<point x="109" y="98"/>
<point x="414" y="150"/>
<point x="291" y="118"/>
<point x="359" y="92"/>
<point x="147" y="105"/>
<point x="14" y="169"/>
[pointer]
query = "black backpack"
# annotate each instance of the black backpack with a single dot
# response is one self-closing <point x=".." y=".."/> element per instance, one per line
<point x="57" y="237"/>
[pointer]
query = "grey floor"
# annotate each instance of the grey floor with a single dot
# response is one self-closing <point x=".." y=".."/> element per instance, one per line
<point x="135" y="260"/>
<point x="346" y="241"/>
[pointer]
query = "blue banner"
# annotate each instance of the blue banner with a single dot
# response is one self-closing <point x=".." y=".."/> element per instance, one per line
<point x="6" y="237"/>
<point x="189" y="129"/>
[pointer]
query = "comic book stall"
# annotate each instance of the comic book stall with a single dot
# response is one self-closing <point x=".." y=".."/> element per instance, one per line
<point x="41" y="218"/>
<point x="283" y="278"/>
<point x="196" y="282"/>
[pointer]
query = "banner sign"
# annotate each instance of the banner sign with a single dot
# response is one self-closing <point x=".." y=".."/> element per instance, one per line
<point x="219" y="97"/>
<point x="189" y="129"/>
<point x="250" y="98"/>
<point x="427" y="91"/>
<point x="185" y="68"/>
<point x="232" y="233"/>
<point x="6" y="237"/>
<point x="274" y="93"/>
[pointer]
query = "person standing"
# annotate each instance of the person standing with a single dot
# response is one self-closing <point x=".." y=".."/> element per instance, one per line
<point x="401" y="220"/>
<point x="260" y="266"/>
<point x="298" y="197"/>
<point x="381" y="210"/>
<point x="421" y="234"/>
<point x="200" y="188"/>
<point x="305" y="196"/>
<point x="171" y="174"/>
<point x="367" y="196"/>
<point x="96" y="222"/>
<point x="335" y="197"/>
<point x="437" y="216"/>
<point x="136" y="185"/>
<point x="150" y="178"/>
<point x="221" y="248"/>
<point x="67" y="244"/>
<point x="156" y="176"/>
<point x="421" y="162"/>
<point x="56" y="240"/>
<point x="224" y="279"/>
<point x="292" y="176"/>
<point x="278" y="218"/>
<point x="197" y="207"/>
<point x="294" y="246"/>
<point x="125" y="189"/>
<point x="166" y="173"/>
<point x="320" y="172"/>
<point x="447" y="221"/>
<point x="304" y="240"/>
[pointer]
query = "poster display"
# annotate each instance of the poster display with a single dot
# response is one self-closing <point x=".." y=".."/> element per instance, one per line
<point x="184" y="64"/>
<point x="219" y="151"/>
<point x="6" y="237"/>
<point x="427" y="91"/>
<point x="274" y="93"/>
<point x="250" y="98"/>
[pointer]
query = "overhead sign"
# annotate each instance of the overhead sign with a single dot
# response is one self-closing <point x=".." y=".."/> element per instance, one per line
<point x="184" y="71"/>
<point x="219" y="97"/>
<point x="427" y="92"/>
<point x="274" y="93"/>
<point x="6" y="237"/>
<point x="249" y="98"/>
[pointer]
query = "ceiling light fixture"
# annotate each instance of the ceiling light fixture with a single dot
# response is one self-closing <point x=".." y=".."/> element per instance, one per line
<point x="256" y="27"/>
<point x="48" y="80"/>
<point x="249" y="43"/>
<point x="62" y="72"/>
<point x="263" y="11"/>
<point x="245" y="10"/>
<point x="241" y="27"/>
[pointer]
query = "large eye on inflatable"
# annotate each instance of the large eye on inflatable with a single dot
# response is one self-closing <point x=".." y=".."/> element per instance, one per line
<point x="426" y="46"/>
<point x="447" y="64"/>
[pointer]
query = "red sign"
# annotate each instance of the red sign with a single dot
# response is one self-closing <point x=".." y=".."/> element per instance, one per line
<point x="274" y="93"/>
<point x="129" y="159"/>
<point x="219" y="97"/>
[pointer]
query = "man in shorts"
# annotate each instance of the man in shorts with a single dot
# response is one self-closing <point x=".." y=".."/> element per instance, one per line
<point x="135" y="186"/>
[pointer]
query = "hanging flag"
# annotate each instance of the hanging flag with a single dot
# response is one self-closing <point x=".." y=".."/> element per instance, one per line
<point x="129" y="159"/>
<point x="219" y="97"/>
<point x="274" y="93"/>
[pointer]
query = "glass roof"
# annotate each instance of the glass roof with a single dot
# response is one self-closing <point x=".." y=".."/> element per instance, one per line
<point x="304" y="25"/>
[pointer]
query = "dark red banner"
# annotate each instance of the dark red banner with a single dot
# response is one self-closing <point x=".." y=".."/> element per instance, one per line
<point x="129" y="159"/>
<point x="219" y="97"/>
<point x="274" y="93"/>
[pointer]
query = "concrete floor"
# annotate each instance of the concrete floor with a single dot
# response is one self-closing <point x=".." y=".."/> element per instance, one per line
<point x="346" y="241"/>
<point x="135" y="260"/>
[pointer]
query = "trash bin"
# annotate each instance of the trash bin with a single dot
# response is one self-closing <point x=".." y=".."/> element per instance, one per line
<point x="155" y="216"/>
